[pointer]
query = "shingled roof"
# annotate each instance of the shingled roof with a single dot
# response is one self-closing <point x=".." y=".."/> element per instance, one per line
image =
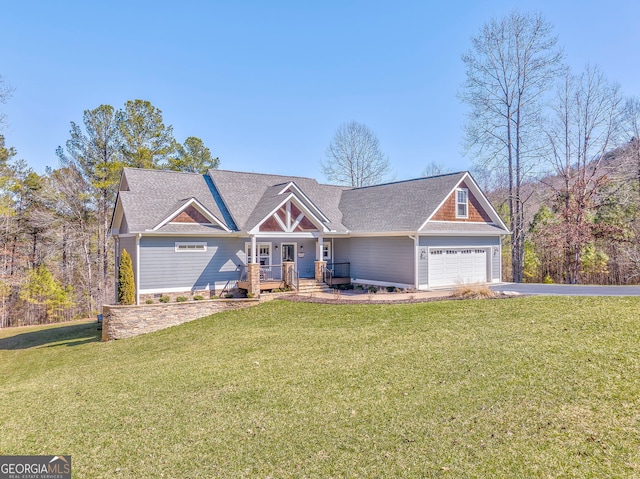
<point x="153" y="195"/>
<point x="251" y="196"/>
<point x="398" y="206"/>
<point x="241" y="201"/>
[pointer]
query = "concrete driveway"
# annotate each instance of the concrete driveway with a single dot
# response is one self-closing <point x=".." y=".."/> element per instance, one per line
<point x="567" y="289"/>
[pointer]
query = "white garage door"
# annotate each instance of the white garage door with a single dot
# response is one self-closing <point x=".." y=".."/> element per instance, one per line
<point x="451" y="266"/>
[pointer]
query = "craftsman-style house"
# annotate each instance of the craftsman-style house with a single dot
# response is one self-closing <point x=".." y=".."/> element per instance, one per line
<point x="189" y="232"/>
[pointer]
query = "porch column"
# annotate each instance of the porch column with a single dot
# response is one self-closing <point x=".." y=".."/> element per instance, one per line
<point x="320" y="263"/>
<point x="319" y="268"/>
<point x="253" y="277"/>
<point x="254" y="253"/>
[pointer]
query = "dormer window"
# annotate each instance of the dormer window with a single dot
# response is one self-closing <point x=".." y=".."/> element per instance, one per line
<point x="462" y="203"/>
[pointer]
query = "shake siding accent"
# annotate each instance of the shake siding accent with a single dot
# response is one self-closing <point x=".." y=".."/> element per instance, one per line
<point x="387" y="259"/>
<point x="162" y="267"/>
<point x="447" y="211"/>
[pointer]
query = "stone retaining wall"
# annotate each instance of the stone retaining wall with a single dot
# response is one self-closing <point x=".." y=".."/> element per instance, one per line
<point x="120" y="322"/>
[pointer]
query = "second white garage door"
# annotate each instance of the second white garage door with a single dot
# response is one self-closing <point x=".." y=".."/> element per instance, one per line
<point x="452" y="266"/>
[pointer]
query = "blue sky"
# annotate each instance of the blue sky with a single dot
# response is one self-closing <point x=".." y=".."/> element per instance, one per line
<point x="266" y="84"/>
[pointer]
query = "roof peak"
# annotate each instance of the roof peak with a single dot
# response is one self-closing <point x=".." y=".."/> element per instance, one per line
<point x="421" y="178"/>
<point x="155" y="170"/>
<point x="290" y="177"/>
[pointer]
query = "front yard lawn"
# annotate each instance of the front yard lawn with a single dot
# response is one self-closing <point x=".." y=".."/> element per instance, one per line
<point x="526" y="387"/>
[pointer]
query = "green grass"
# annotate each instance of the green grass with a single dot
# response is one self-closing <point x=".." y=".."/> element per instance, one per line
<point x="526" y="387"/>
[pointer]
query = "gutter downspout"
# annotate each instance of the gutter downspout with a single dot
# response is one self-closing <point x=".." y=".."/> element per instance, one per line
<point x="138" y="236"/>
<point x="116" y="256"/>
<point x="414" y="237"/>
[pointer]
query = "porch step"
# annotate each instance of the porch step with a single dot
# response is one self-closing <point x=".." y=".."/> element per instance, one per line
<point x="308" y="286"/>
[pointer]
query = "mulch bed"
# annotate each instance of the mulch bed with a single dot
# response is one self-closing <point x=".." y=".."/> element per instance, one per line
<point x="298" y="298"/>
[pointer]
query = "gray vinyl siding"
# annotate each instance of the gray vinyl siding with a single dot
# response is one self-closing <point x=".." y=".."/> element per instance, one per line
<point x="496" y="264"/>
<point x="305" y="264"/>
<point x="128" y="243"/>
<point x="386" y="259"/>
<point x="457" y="242"/>
<point x="161" y="267"/>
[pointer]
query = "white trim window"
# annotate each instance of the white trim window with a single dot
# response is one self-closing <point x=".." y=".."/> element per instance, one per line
<point x="191" y="247"/>
<point x="462" y="203"/>
<point x="264" y="253"/>
<point x="326" y="251"/>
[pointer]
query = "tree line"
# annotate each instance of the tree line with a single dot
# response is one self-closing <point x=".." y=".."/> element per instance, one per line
<point x="559" y="153"/>
<point x="56" y="261"/>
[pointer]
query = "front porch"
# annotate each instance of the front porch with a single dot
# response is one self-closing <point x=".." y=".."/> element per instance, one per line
<point x="256" y="278"/>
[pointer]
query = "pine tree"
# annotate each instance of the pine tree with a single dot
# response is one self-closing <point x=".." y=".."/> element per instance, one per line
<point x="41" y="289"/>
<point x="126" y="285"/>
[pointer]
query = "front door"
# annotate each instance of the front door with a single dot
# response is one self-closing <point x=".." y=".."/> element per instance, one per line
<point x="288" y="252"/>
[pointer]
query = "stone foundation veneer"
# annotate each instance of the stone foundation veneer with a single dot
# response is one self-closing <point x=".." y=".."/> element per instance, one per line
<point x="121" y="322"/>
<point x="319" y="267"/>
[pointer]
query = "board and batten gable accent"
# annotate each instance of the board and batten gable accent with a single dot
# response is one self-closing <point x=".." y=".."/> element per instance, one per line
<point x="476" y="212"/>
<point x="163" y="269"/>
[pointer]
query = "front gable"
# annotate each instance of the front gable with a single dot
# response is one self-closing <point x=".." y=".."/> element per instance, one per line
<point x="479" y="211"/>
<point x="192" y="212"/>
<point x="447" y="211"/>
<point x="190" y="215"/>
<point x="290" y="217"/>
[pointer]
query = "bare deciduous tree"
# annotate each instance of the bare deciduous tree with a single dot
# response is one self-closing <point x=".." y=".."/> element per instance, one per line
<point x="354" y="157"/>
<point x="631" y="127"/>
<point x="511" y="64"/>
<point x="586" y="125"/>
<point x="434" y="168"/>
<point x="5" y="94"/>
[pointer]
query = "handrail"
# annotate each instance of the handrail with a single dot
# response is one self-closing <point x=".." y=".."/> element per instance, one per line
<point x="242" y="272"/>
<point x="331" y="271"/>
<point x="327" y="274"/>
<point x="293" y="279"/>
<point x="226" y="287"/>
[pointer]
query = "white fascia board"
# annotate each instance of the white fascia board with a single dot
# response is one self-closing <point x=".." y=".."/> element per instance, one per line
<point x="478" y="194"/>
<point x="222" y="234"/>
<point x="291" y="196"/>
<point x="200" y="207"/>
<point x="484" y="201"/>
<point x="116" y="210"/>
<point x="460" y="233"/>
<point x="291" y="184"/>
<point x="369" y="234"/>
<point x="283" y="235"/>
<point x="443" y="200"/>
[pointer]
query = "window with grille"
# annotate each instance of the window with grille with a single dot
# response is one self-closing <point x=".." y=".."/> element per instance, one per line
<point x="190" y="247"/>
<point x="462" y="203"/>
